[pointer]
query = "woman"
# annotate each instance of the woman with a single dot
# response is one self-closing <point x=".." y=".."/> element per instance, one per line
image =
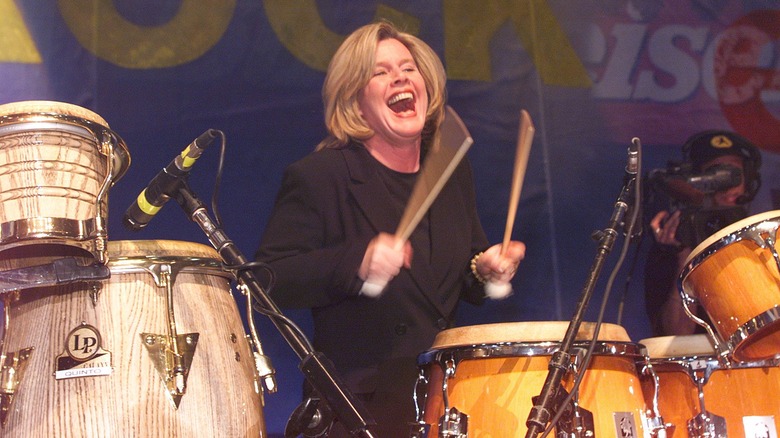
<point x="331" y="227"/>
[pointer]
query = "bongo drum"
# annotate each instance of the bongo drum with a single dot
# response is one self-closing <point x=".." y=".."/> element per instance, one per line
<point x="700" y="396"/>
<point x="57" y="163"/>
<point x="158" y="349"/>
<point x="490" y="373"/>
<point x="735" y="276"/>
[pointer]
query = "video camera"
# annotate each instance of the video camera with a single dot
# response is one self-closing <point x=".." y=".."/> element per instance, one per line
<point x="688" y="189"/>
<point x="691" y="193"/>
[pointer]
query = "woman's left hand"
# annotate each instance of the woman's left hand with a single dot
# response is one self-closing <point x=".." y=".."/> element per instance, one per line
<point x="496" y="267"/>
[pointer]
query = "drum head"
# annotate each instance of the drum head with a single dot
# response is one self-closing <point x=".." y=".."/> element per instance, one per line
<point x="524" y="332"/>
<point x="730" y="229"/>
<point x="678" y="346"/>
<point x="50" y="107"/>
<point x="43" y="110"/>
<point x="135" y="249"/>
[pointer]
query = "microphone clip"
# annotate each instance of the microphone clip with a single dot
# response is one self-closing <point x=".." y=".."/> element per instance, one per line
<point x="313" y="418"/>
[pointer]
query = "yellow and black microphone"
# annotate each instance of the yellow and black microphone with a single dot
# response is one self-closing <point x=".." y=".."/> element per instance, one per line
<point x="165" y="184"/>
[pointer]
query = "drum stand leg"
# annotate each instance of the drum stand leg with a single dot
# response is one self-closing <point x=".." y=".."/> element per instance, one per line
<point x="12" y="365"/>
<point x="172" y="353"/>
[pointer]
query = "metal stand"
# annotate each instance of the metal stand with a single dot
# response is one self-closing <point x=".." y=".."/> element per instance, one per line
<point x="546" y="403"/>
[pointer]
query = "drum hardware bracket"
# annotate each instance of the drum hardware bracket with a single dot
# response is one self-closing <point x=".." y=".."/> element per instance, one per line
<point x="11" y="373"/>
<point x="100" y="250"/>
<point x="94" y="293"/>
<point x="60" y="271"/>
<point x="721" y="349"/>
<point x="656" y="426"/>
<point x="265" y="370"/>
<point x="420" y="429"/>
<point x="173" y="365"/>
<point x="266" y="373"/>
<point x="762" y="233"/>
<point x="12" y="365"/>
<point x="575" y="421"/>
<point x="707" y="425"/>
<point x="652" y="418"/>
<point x="172" y="353"/>
<point x="454" y="424"/>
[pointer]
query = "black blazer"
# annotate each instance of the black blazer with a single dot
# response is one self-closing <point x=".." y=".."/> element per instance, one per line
<point x="330" y="205"/>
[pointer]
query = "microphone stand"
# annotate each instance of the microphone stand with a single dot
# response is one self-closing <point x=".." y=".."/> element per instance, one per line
<point x="317" y="368"/>
<point x="561" y="360"/>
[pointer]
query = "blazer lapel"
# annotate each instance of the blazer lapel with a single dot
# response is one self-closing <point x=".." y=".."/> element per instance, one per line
<point x="368" y="190"/>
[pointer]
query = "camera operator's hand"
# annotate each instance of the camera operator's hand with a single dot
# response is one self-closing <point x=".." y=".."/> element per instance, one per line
<point x="664" y="226"/>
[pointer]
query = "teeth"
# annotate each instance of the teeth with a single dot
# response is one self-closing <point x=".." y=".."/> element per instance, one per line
<point x="399" y="97"/>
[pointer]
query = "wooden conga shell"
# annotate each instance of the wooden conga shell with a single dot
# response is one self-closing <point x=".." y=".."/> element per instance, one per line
<point x="132" y="400"/>
<point x="57" y="162"/>
<point x="736" y="281"/>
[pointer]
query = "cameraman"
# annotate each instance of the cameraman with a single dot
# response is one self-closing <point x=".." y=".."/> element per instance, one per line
<point x="696" y="215"/>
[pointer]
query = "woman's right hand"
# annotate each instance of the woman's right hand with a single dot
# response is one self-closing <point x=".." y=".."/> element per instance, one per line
<point x="383" y="260"/>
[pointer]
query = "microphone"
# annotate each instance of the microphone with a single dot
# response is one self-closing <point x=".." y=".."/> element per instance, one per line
<point x="165" y="184"/>
<point x="631" y="190"/>
<point x="632" y="166"/>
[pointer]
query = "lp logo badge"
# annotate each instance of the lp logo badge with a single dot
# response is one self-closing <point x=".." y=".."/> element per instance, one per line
<point x="84" y="355"/>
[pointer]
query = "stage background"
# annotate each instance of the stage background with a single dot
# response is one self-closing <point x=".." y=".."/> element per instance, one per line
<point x="592" y="74"/>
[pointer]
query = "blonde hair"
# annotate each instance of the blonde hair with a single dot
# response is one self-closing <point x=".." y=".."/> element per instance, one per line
<point x="350" y="70"/>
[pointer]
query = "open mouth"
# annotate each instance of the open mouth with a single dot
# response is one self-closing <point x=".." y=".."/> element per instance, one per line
<point x="401" y="102"/>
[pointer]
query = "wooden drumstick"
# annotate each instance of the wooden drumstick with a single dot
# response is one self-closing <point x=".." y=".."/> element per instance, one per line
<point x="524" y="139"/>
<point x="439" y="164"/>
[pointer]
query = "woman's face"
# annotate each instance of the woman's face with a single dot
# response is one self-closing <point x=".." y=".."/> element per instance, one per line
<point x="394" y="102"/>
<point x="728" y="197"/>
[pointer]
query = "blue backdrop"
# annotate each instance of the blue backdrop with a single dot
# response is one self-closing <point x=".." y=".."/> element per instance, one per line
<point x="591" y="74"/>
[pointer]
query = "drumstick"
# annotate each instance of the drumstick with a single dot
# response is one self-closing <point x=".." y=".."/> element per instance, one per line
<point x="524" y="140"/>
<point x="439" y="164"/>
<point x="525" y="137"/>
<point x="441" y="161"/>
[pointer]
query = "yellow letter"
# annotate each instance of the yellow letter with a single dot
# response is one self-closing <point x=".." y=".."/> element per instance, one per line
<point x="469" y="26"/>
<point x="16" y="45"/>
<point x="196" y="28"/>
<point x="300" y="29"/>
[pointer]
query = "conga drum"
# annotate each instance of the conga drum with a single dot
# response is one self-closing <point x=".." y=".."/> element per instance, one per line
<point x="701" y="396"/>
<point x="490" y="373"/>
<point x="735" y="276"/>
<point x="57" y="164"/>
<point x="157" y="349"/>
